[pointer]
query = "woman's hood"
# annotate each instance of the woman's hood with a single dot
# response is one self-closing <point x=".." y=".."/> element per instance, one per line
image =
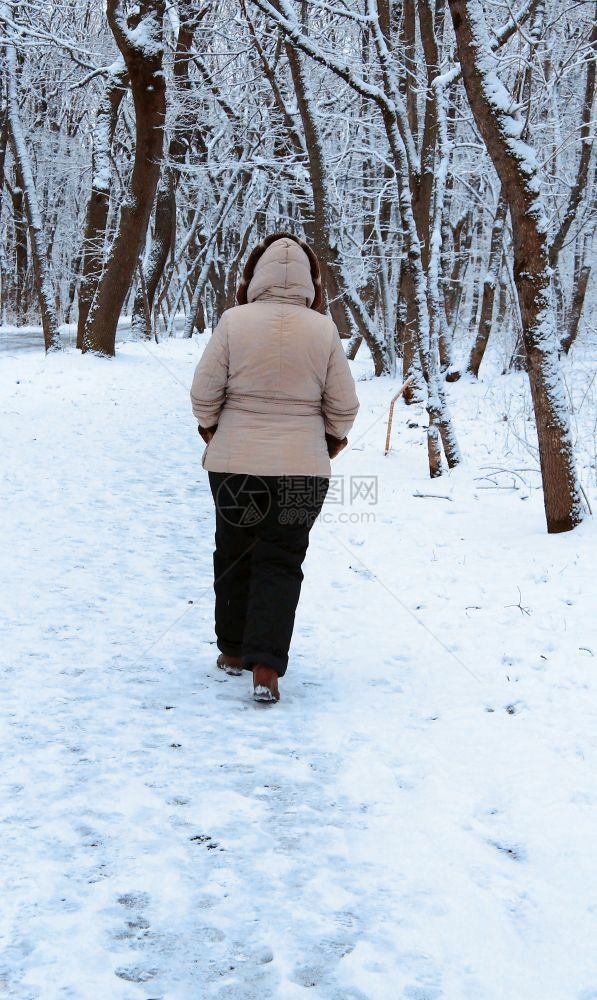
<point x="282" y="266"/>
<point x="283" y="270"/>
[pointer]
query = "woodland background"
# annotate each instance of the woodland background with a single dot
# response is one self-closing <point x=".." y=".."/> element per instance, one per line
<point x="438" y="156"/>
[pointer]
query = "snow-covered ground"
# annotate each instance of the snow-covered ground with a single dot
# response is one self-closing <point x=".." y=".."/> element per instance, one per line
<point x="416" y="819"/>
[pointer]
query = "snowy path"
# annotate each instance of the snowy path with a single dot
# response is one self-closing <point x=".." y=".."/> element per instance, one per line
<point x="415" y="819"/>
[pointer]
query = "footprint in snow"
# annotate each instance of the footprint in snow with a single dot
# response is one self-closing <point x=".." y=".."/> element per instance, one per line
<point x="517" y="852"/>
<point x="134" y="928"/>
<point x="314" y="975"/>
<point x="136" y="974"/>
<point x="362" y="571"/>
<point x="422" y="993"/>
<point x="134" y="900"/>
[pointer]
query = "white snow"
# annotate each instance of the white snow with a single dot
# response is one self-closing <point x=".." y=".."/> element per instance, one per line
<point x="415" y="819"/>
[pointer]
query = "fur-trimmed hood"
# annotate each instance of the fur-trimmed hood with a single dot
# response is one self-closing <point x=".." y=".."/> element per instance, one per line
<point x="282" y="265"/>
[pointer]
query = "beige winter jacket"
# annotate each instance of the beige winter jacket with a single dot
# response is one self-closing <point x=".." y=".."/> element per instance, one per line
<point x="274" y="376"/>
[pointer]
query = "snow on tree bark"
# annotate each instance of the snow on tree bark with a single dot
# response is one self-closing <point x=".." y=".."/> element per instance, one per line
<point x="99" y="197"/>
<point x="586" y="138"/>
<point x="489" y="285"/>
<point x="140" y="41"/>
<point x="39" y="249"/>
<point x="516" y="165"/>
<point x="180" y="143"/>
<point x="328" y="253"/>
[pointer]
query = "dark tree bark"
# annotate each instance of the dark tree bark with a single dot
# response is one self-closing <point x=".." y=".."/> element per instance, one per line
<point x="72" y="287"/>
<point x="3" y="145"/>
<point x="142" y="51"/>
<point x="99" y="199"/>
<point x="503" y="299"/>
<point x="408" y="80"/>
<point x="475" y="265"/>
<point x="322" y="228"/>
<point x="164" y="234"/>
<point x="489" y="286"/>
<point x="411" y="366"/>
<point x="423" y="184"/>
<point x="37" y="237"/>
<point x="517" y="170"/>
<point x="462" y="238"/>
<point x="19" y="221"/>
<point x="576" y="307"/>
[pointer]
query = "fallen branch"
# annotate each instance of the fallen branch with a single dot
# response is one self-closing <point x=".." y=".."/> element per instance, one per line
<point x="391" y="413"/>
<point x="432" y="496"/>
<point x="582" y="490"/>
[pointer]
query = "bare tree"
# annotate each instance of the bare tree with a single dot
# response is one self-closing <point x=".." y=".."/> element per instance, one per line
<point x="164" y="236"/>
<point x="582" y="273"/>
<point x="489" y="285"/>
<point x="139" y="39"/>
<point x="99" y="198"/>
<point x="515" y="162"/>
<point x="39" y="250"/>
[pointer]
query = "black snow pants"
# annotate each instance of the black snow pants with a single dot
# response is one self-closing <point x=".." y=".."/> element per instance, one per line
<point x="262" y="535"/>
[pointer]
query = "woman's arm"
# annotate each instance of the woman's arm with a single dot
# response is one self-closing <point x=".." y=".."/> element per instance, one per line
<point x="339" y="403"/>
<point x="208" y="391"/>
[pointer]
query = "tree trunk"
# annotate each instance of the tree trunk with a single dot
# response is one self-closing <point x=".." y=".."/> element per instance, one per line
<point x="489" y="284"/>
<point x="408" y="79"/>
<point x="323" y="226"/>
<point x="99" y="199"/>
<point x="411" y="365"/>
<point x="165" y="210"/>
<point x="19" y="221"/>
<point x="576" y="307"/>
<point x="476" y="260"/>
<point x="327" y="252"/>
<point x="352" y="348"/>
<point x="3" y="268"/>
<point x="3" y="145"/>
<point x="462" y="240"/>
<point x="39" y="252"/>
<point x="516" y="166"/>
<point x="161" y="244"/>
<point x="142" y="50"/>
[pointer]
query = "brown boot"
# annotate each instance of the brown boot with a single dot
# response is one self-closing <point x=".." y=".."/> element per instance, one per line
<point x="231" y="664"/>
<point x="265" y="683"/>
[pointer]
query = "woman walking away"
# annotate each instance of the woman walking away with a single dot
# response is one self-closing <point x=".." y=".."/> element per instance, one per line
<point x="275" y="399"/>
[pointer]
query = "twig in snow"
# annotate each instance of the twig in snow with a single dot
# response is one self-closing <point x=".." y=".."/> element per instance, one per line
<point x="523" y="610"/>
<point x="494" y="485"/>
<point x="582" y="490"/>
<point x="432" y="496"/>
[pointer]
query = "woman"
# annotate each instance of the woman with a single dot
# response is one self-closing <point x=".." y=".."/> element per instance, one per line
<point x="274" y="398"/>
